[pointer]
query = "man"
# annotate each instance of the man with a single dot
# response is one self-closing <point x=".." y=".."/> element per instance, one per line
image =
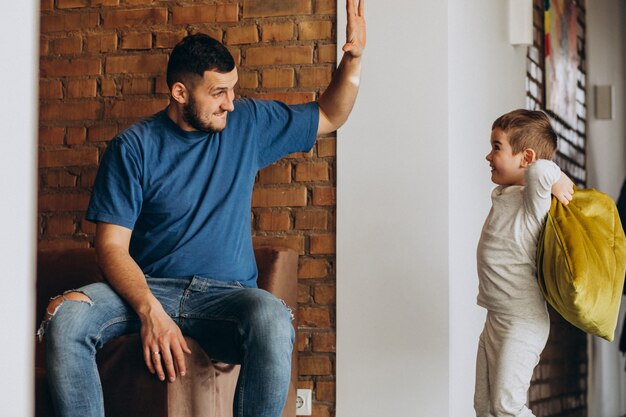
<point x="171" y="205"/>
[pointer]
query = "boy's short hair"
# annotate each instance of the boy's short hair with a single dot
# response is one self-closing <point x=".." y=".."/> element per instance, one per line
<point x="194" y="55"/>
<point x="528" y="129"/>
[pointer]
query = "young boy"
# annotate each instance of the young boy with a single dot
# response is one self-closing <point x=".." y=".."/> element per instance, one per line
<point x="517" y="324"/>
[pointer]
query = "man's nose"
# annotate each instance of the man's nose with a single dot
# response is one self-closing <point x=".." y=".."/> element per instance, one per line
<point x="228" y="104"/>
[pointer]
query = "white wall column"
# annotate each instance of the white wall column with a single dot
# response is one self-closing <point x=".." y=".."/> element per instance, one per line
<point x="19" y="43"/>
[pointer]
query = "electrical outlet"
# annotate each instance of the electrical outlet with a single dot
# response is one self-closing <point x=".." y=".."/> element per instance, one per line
<point x="303" y="402"/>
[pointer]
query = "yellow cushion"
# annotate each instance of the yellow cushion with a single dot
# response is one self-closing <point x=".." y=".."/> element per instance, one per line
<point x="581" y="259"/>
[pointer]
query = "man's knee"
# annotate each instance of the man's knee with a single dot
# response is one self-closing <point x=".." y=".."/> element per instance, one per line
<point x="56" y="302"/>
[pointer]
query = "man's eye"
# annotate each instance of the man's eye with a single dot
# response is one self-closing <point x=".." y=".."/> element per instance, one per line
<point x="218" y="94"/>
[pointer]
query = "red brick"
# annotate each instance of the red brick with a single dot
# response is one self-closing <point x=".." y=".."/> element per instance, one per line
<point x="322" y="244"/>
<point x="274" y="221"/>
<point x="138" y="2"/>
<point x="305" y="384"/>
<point x="327" y="53"/>
<point x="108" y="87"/>
<point x="315" y="76"/>
<point x="133" y="109"/>
<point x="44" y="47"/>
<point x="238" y="35"/>
<point x="323" y="342"/>
<point x="302" y="341"/>
<point x="326" y="7"/>
<point x="63" y="202"/>
<point x="208" y="13"/>
<point x="137" y="86"/>
<point x="314" y="365"/>
<point x="87" y="227"/>
<point x="82" y="88"/>
<point x="88" y="177"/>
<point x="160" y="85"/>
<point x="279" y="173"/>
<point x="50" y="89"/>
<point x="279" y="55"/>
<point x="69" y="21"/>
<point x="60" y="179"/>
<point x="325" y="391"/>
<point x="277" y="32"/>
<point x="67" y="46"/>
<point x="95" y="3"/>
<point x="136" y="40"/>
<point x="51" y="135"/>
<point x="326" y="147"/>
<point x="312" y="171"/>
<point x="70" y="67"/>
<point x="70" y="111"/>
<point x="68" y="157"/>
<point x="136" y="64"/>
<point x="60" y="226"/>
<point x="324" y="196"/>
<point x="46" y="5"/>
<point x="314" y="317"/>
<point x="315" y="29"/>
<point x="168" y="39"/>
<point x="295" y="242"/>
<point x="320" y="410"/>
<point x="279" y="197"/>
<point x="62" y="244"/>
<point x="76" y="135"/>
<point x="304" y="294"/>
<point x="324" y="294"/>
<point x="311" y="220"/>
<point x="267" y="8"/>
<point x="289" y="98"/>
<point x="123" y="19"/>
<point x="312" y="268"/>
<point x="248" y="79"/>
<point x="278" y="78"/>
<point x="71" y="4"/>
<point x="102" y="133"/>
<point x="104" y="42"/>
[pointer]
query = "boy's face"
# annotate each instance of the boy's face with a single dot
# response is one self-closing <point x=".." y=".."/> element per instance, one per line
<point x="506" y="168"/>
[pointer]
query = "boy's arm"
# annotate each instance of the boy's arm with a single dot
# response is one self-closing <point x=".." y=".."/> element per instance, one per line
<point x="540" y="178"/>
<point x="563" y="189"/>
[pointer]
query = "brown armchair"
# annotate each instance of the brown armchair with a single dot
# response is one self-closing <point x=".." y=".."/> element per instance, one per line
<point x="129" y="389"/>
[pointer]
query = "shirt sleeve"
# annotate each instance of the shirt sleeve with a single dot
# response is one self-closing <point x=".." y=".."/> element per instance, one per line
<point x="539" y="178"/>
<point x="117" y="192"/>
<point x="284" y="129"/>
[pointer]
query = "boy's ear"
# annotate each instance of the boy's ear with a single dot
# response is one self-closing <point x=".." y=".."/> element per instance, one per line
<point x="528" y="157"/>
<point x="180" y="92"/>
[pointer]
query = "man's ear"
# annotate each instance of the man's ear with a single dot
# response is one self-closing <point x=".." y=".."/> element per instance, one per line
<point x="528" y="157"/>
<point x="180" y="92"/>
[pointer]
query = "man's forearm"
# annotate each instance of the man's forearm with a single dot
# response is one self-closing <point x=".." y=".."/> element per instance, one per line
<point x="337" y="101"/>
<point x="125" y="276"/>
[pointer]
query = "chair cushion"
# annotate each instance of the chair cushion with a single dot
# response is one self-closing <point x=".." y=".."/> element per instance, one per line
<point x="581" y="260"/>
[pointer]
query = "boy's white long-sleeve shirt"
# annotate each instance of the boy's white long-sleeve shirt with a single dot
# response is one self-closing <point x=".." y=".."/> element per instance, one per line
<point x="507" y="250"/>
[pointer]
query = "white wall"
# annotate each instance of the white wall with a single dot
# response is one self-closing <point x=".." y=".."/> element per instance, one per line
<point x="413" y="191"/>
<point x="606" y="52"/>
<point x="486" y="79"/>
<point x="19" y="38"/>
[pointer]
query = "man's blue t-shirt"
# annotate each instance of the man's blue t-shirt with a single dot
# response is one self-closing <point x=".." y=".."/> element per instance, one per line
<point x="186" y="195"/>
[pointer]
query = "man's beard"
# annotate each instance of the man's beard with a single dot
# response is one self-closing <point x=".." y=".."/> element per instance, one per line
<point x="192" y="117"/>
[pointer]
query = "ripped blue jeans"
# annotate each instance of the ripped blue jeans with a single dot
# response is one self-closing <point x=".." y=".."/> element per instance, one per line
<point x="233" y="324"/>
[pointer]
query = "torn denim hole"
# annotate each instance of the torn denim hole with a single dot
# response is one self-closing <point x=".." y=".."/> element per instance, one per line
<point x="49" y="314"/>
<point x="289" y="309"/>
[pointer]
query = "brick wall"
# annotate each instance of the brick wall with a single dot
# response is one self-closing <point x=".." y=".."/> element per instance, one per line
<point x="559" y="386"/>
<point x="103" y="68"/>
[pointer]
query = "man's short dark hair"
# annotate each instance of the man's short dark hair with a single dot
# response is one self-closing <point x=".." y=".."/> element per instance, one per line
<point x="194" y="55"/>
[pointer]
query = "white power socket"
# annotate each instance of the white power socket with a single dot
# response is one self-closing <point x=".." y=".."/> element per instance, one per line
<point x="303" y="402"/>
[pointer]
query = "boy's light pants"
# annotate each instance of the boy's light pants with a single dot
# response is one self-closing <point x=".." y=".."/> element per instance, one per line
<point x="508" y="351"/>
